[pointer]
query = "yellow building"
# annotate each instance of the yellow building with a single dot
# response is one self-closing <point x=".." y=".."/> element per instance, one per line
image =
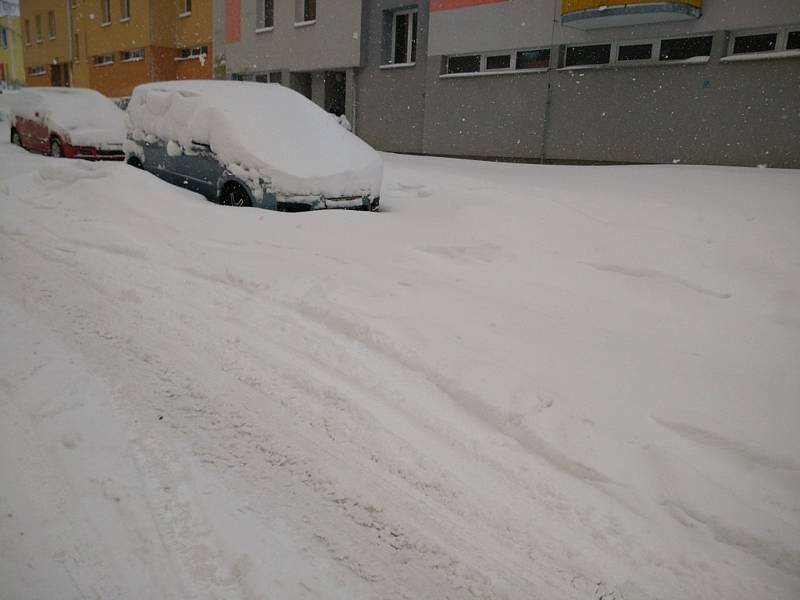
<point x="114" y="45"/>
<point x="12" y="70"/>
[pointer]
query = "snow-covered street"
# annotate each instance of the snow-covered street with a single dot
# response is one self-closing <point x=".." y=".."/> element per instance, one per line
<point x="514" y="381"/>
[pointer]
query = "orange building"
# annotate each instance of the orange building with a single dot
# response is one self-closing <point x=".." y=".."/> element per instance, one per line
<point x="114" y="45"/>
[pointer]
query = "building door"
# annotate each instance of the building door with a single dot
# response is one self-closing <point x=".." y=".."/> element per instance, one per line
<point x="59" y="75"/>
<point x="335" y="92"/>
<point x="301" y="82"/>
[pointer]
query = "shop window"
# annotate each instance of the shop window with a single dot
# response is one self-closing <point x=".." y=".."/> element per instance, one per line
<point x="498" y="62"/>
<point x="464" y="64"/>
<point x="533" y="59"/>
<point x="635" y="52"/>
<point x="762" y="42"/>
<point x="685" y="48"/>
<point x="588" y="55"/>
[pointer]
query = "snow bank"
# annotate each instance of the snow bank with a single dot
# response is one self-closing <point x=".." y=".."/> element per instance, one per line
<point x="83" y="117"/>
<point x="265" y="128"/>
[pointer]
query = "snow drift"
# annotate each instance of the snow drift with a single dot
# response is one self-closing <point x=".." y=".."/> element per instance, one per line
<point x="264" y="128"/>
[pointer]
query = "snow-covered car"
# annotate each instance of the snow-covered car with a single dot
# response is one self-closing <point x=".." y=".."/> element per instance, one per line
<point x="250" y="144"/>
<point x="67" y="122"/>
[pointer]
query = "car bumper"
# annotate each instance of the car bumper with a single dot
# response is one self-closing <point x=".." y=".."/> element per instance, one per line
<point x="305" y="203"/>
<point x="90" y="153"/>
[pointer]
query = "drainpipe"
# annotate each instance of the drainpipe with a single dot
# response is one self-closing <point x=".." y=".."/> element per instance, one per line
<point x="554" y="58"/>
<point x="70" y="49"/>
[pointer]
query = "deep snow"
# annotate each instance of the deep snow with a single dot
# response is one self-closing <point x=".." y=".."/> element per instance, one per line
<point x="512" y="382"/>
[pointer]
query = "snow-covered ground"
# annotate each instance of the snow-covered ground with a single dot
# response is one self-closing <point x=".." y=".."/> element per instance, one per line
<point x="513" y="382"/>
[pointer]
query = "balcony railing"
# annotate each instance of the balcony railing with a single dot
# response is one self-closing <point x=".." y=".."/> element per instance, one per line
<point x="597" y="14"/>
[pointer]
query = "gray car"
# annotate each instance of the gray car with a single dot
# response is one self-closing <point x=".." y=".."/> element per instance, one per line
<point x="294" y="157"/>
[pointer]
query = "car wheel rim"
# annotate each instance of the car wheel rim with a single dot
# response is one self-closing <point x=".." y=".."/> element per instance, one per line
<point x="55" y="150"/>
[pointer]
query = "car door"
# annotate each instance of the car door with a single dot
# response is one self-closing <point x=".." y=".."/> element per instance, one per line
<point x="196" y="168"/>
<point x="155" y="159"/>
<point x="39" y="133"/>
<point x="32" y="133"/>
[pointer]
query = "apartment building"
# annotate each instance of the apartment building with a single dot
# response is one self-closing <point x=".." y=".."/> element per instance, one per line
<point x="634" y="81"/>
<point x="314" y="46"/>
<point x="12" y="69"/>
<point x="114" y="45"/>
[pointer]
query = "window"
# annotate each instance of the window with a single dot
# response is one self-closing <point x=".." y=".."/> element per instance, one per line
<point x="37" y="71"/>
<point x="267" y="14"/>
<point x="464" y="64"/>
<point x="793" y="40"/>
<point x="38" y="28"/>
<point x="498" y="62"/>
<point x="28" y="32"/>
<point x="51" y="24"/>
<point x="4" y="37"/>
<point x="305" y="11"/>
<point x="635" y="52"/>
<point x="76" y="47"/>
<point x="685" y="48"/>
<point x="762" y="42"/>
<point x="124" y="10"/>
<point x="533" y="59"/>
<point x="132" y="55"/>
<point x="271" y="77"/>
<point x="197" y="52"/>
<point x="404" y="37"/>
<point x="104" y="59"/>
<point x="588" y="55"/>
<point x="186" y="7"/>
<point x="105" y="9"/>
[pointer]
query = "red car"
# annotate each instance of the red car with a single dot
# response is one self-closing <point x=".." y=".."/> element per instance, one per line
<point x="68" y="122"/>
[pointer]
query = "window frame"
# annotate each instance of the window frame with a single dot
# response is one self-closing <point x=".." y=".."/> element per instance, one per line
<point x="186" y="9"/>
<point x="615" y="62"/>
<point x="76" y="47"/>
<point x="192" y="52"/>
<point x="105" y="63"/>
<point x="105" y="13"/>
<point x="781" y="40"/>
<point x="39" y="38"/>
<point x="412" y="39"/>
<point x="481" y="62"/>
<point x="611" y="55"/>
<point x="51" y="24"/>
<point x="262" y="16"/>
<point x="138" y="58"/>
<point x="679" y="61"/>
<point x="37" y="71"/>
<point x="512" y="59"/>
<point x="301" y="18"/>
<point x="28" y="39"/>
<point x="124" y="11"/>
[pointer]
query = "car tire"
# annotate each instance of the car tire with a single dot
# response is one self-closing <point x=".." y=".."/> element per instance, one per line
<point x="16" y="139"/>
<point x="136" y="162"/>
<point x="234" y="194"/>
<point x="56" y="151"/>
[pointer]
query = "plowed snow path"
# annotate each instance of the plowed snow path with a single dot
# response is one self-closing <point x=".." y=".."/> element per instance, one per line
<point x="499" y="387"/>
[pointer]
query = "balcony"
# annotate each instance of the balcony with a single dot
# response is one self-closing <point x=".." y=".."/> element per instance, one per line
<point x="598" y="14"/>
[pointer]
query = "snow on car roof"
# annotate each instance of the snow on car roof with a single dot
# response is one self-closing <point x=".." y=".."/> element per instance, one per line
<point x="265" y="127"/>
<point x="70" y="109"/>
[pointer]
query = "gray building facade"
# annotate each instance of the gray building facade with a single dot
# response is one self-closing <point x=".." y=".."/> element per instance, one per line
<point x="696" y="81"/>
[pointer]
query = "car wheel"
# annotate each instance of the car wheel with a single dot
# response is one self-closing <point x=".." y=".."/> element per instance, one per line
<point x="234" y="194"/>
<point x="135" y="161"/>
<point x="55" y="149"/>
<point x="15" y="138"/>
